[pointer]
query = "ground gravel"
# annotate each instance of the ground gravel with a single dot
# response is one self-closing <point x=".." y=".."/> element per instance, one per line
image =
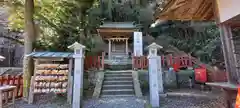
<point x="190" y="102"/>
<point x="201" y="100"/>
<point x="127" y="102"/>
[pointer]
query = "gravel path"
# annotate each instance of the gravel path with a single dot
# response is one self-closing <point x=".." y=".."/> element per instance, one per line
<point x="172" y="101"/>
<point x="60" y="102"/>
<point x="128" y="102"/>
<point x="190" y="102"/>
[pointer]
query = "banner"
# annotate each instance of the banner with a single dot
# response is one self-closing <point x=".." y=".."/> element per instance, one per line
<point x="138" y="44"/>
<point x="238" y="99"/>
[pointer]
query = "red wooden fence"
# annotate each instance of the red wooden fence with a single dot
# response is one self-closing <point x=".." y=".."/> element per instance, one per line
<point x="183" y="61"/>
<point x="140" y="62"/>
<point x="16" y="80"/>
<point x="97" y="62"/>
<point x="94" y="62"/>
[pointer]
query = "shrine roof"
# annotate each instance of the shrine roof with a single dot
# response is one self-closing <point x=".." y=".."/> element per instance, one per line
<point x="120" y="25"/>
<point x="51" y="54"/>
<point x="187" y="10"/>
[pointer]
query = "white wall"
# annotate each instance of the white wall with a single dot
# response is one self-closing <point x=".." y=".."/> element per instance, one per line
<point x="228" y="9"/>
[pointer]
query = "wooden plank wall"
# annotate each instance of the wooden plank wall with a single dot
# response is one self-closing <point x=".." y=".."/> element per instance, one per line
<point x="236" y="45"/>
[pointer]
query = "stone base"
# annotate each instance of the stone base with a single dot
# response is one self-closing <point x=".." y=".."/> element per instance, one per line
<point x="162" y="95"/>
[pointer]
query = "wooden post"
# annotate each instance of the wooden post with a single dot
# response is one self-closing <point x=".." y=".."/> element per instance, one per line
<point x="133" y="63"/>
<point x="170" y="60"/>
<point x="103" y="55"/>
<point x="70" y="81"/>
<point x="78" y="74"/>
<point x="31" y="89"/>
<point x="160" y="73"/>
<point x="154" y="74"/>
<point x="109" y="49"/>
<point x="126" y="46"/>
<point x="163" y="60"/>
<point x="227" y="51"/>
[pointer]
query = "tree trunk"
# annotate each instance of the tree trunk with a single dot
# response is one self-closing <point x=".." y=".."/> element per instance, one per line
<point x="138" y="2"/>
<point x="110" y="3"/>
<point x="28" y="46"/>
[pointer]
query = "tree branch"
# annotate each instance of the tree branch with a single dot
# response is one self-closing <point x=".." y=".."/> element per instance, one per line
<point x="12" y="39"/>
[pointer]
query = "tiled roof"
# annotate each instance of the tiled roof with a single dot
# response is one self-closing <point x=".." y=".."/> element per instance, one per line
<point x="118" y="25"/>
<point x="186" y="10"/>
<point x="51" y="54"/>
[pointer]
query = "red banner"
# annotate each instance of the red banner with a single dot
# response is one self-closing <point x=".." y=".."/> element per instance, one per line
<point x="238" y="99"/>
<point x="176" y="67"/>
<point x="201" y="75"/>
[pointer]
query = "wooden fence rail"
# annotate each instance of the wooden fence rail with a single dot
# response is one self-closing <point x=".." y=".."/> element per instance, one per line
<point x="167" y="61"/>
<point x="93" y="62"/>
<point x="16" y="80"/>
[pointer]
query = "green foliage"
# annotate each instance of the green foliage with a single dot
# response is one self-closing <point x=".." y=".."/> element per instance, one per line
<point x="62" y="22"/>
<point x="202" y="41"/>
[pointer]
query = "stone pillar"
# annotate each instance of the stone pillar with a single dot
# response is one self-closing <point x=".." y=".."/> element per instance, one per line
<point x="109" y="49"/>
<point x="160" y="75"/>
<point x="127" y="46"/>
<point x="153" y="81"/>
<point x="78" y="74"/>
<point x="154" y="74"/>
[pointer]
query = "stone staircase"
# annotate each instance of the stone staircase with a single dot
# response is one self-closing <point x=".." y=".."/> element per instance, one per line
<point x="118" y="83"/>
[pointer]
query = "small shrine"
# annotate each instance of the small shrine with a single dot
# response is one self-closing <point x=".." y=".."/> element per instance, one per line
<point x="118" y="35"/>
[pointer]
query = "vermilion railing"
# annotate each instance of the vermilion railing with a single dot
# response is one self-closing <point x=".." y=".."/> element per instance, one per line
<point x="97" y="62"/>
<point x="167" y="61"/>
<point x="16" y="80"/>
<point x="93" y="62"/>
<point x="140" y="62"/>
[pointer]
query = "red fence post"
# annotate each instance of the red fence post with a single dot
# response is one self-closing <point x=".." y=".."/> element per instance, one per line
<point x="15" y="81"/>
<point x="18" y="84"/>
<point x="133" y="63"/>
<point x="21" y="85"/>
<point x="142" y="62"/>
<point x="103" y="55"/>
<point x="190" y="60"/>
<point x="170" y="60"/>
<point x="162" y="60"/>
<point x="146" y="62"/>
<point x="98" y="62"/>
<point x="1" y="80"/>
<point x="85" y="63"/>
<point x="8" y="79"/>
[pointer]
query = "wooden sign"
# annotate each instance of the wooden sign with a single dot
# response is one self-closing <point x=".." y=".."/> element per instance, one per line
<point x="51" y="78"/>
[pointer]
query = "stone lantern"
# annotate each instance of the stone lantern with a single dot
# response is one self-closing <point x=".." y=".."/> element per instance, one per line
<point x="78" y="73"/>
<point x="155" y="74"/>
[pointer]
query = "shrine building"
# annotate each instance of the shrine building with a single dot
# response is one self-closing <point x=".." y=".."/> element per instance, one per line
<point x="118" y="36"/>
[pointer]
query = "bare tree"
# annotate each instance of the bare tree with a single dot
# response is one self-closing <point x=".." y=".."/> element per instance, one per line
<point x="28" y="45"/>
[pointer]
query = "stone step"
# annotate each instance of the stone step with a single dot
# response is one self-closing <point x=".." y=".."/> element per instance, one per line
<point x="118" y="72"/>
<point x="118" y="78"/>
<point x="115" y="71"/>
<point x="118" y="92"/>
<point x="117" y="82"/>
<point x="118" y="75"/>
<point x="103" y="96"/>
<point x="127" y="86"/>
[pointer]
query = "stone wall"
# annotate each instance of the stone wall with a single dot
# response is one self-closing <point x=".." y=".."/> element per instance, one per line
<point x="169" y="79"/>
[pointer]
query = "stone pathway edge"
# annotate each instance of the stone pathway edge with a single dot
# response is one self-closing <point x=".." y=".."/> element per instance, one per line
<point x="136" y="84"/>
<point x="98" y="86"/>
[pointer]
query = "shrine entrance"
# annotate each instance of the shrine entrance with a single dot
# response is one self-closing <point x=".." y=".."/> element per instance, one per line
<point x="118" y="36"/>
